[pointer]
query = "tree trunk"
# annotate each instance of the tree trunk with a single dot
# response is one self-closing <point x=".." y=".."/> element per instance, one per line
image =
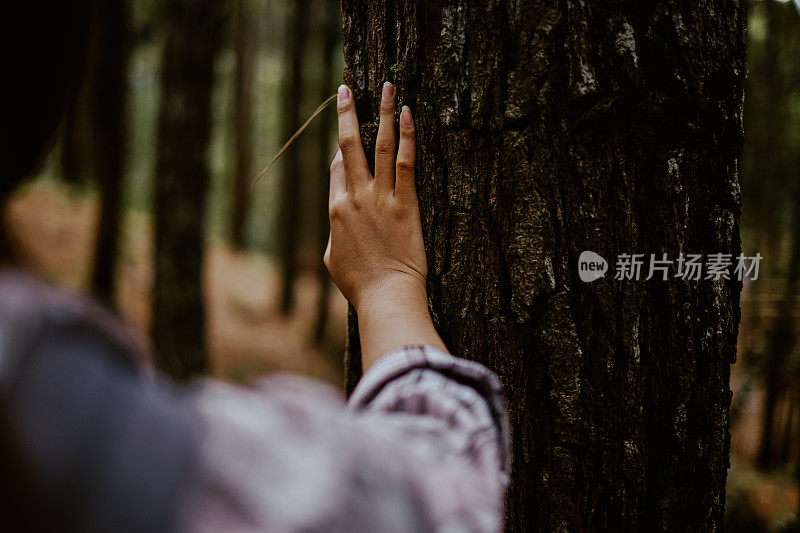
<point x="243" y="171"/>
<point x="327" y="82"/>
<point x="780" y="343"/>
<point x="181" y="181"/>
<point x="797" y="464"/>
<point x="777" y="171"/>
<point x="108" y="109"/>
<point x="543" y="131"/>
<point x="290" y="194"/>
<point x="787" y="437"/>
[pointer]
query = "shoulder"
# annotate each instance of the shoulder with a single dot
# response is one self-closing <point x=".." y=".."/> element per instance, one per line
<point x="32" y="310"/>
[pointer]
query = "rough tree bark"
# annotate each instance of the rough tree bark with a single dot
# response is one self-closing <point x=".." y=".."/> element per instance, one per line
<point x="290" y="187"/>
<point x="108" y="139"/>
<point x="546" y="130"/>
<point x="243" y="168"/>
<point x="194" y="31"/>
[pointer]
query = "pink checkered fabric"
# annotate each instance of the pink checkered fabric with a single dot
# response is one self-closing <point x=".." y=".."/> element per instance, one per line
<point x="422" y="445"/>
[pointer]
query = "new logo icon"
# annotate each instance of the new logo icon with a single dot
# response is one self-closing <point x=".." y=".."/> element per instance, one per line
<point x="591" y="266"/>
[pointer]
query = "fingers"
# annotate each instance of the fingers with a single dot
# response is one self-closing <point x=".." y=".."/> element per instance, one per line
<point x="406" y="157"/>
<point x="356" y="173"/>
<point x="355" y="163"/>
<point x="385" y="144"/>
<point x="338" y="180"/>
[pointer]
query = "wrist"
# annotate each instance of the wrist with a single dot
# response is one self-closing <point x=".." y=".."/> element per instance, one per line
<point x="401" y="292"/>
<point x="393" y="314"/>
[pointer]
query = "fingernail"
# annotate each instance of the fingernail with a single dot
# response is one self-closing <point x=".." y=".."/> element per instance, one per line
<point x="388" y="91"/>
<point x="343" y="93"/>
<point x="405" y="116"/>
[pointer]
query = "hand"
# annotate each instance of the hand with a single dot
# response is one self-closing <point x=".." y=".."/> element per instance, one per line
<point x="375" y="245"/>
<point x="375" y="251"/>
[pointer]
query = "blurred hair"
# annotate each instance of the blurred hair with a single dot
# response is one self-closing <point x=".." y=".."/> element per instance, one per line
<point x="45" y="47"/>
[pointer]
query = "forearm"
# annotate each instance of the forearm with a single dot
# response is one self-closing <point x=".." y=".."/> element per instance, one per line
<point x="392" y="315"/>
<point x="376" y="253"/>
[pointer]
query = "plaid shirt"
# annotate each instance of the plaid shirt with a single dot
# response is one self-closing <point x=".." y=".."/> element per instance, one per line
<point x="422" y="445"/>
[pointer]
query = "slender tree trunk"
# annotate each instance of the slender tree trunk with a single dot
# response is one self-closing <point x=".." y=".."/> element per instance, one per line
<point x="765" y="447"/>
<point x="775" y="114"/>
<point x="787" y="442"/>
<point x="780" y="345"/>
<point x="290" y="194"/>
<point x="330" y="37"/>
<point x="108" y="139"/>
<point x="797" y="465"/>
<point x="194" y="30"/>
<point x="545" y="130"/>
<point x="243" y="110"/>
<point x="775" y="169"/>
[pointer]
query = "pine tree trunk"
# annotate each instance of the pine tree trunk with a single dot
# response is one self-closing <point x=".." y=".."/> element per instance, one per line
<point x="290" y="194"/>
<point x="777" y="172"/>
<point x="243" y="171"/>
<point x="781" y="342"/>
<point x="543" y="131"/>
<point x="194" y="30"/>
<point x="108" y="111"/>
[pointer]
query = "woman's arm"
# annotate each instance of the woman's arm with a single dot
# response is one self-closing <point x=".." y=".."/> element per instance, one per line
<point x="424" y="443"/>
<point x="375" y="253"/>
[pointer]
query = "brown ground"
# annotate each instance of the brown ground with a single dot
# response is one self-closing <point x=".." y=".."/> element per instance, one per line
<point x="246" y="336"/>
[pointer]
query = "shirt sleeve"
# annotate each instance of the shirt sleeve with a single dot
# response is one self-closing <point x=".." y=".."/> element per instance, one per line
<point x="448" y="413"/>
<point x="422" y="445"/>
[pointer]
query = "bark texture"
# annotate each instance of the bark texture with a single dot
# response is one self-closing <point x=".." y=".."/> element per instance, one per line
<point x="194" y="31"/>
<point x="545" y="130"/>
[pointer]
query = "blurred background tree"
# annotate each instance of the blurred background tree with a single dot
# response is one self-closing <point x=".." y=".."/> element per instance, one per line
<point x="65" y="220"/>
<point x="108" y="93"/>
<point x="194" y="32"/>
<point x="243" y="97"/>
<point x="766" y="379"/>
<point x="328" y="78"/>
<point x="295" y="49"/>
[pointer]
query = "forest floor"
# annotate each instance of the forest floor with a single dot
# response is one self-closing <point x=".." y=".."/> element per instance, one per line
<point x="248" y="338"/>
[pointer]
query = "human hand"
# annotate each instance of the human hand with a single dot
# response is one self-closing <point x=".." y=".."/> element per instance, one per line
<point x="375" y="250"/>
